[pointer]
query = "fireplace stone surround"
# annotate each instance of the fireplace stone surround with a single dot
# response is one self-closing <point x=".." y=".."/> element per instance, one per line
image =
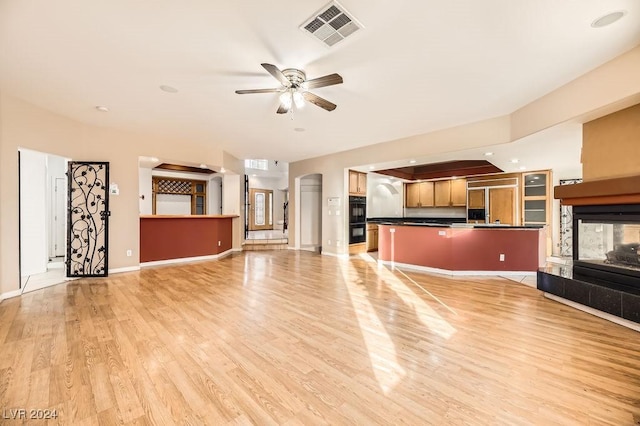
<point x="605" y="272"/>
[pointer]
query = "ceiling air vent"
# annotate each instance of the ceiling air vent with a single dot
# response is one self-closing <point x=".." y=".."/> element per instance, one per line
<point x="331" y="24"/>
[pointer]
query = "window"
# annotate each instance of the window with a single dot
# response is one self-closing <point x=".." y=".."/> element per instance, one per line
<point x="257" y="164"/>
<point x="179" y="196"/>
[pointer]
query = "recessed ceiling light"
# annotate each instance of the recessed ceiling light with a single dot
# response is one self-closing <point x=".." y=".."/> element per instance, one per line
<point x="222" y="170"/>
<point x="514" y="160"/>
<point x="102" y="108"/>
<point x="154" y="159"/>
<point x="203" y="166"/>
<point x="254" y="175"/>
<point x="523" y="168"/>
<point x="299" y="129"/>
<point x="488" y="154"/>
<point x="608" y="19"/>
<point x="371" y="167"/>
<point x="168" y="89"/>
<point x="412" y="161"/>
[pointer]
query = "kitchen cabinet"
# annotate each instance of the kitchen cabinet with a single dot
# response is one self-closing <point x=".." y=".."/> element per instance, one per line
<point x="535" y="198"/>
<point x="357" y="183"/>
<point x="502" y="203"/>
<point x="450" y="193"/>
<point x="459" y="192"/>
<point x="442" y="193"/>
<point x="372" y="237"/>
<point x="476" y="198"/>
<point x="419" y="194"/>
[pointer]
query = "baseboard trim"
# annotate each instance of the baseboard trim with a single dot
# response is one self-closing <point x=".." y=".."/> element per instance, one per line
<point x="620" y="321"/>
<point x="186" y="259"/>
<point x="125" y="269"/>
<point x="10" y="294"/>
<point x="454" y="273"/>
<point x="338" y="255"/>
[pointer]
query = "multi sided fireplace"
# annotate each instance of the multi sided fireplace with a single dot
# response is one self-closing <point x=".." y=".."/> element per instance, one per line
<point x="605" y="274"/>
<point x="606" y="244"/>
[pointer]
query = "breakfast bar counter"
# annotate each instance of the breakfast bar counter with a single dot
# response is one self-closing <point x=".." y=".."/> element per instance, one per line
<point x="461" y="249"/>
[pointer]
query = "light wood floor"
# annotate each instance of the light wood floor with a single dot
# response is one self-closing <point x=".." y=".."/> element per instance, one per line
<point x="297" y="338"/>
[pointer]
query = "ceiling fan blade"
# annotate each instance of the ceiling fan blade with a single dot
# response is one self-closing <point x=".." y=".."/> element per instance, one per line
<point x="275" y="71"/>
<point x="283" y="109"/>
<point x="327" y="80"/>
<point x="244" y="92"/>
<point x="317" y="100"/>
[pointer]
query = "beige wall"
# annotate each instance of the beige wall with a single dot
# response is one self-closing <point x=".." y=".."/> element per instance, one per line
<point x="611" y="145"/>
<point x="23" y="125"/>
<point x="608" y="88"/>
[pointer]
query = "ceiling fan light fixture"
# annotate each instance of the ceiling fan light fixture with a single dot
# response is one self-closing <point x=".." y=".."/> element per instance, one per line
<point x="286" y="99"/>
<point x="298" y="99"/>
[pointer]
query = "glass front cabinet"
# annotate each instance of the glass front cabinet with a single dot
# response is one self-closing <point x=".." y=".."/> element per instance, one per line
<point x="536" y="198"/>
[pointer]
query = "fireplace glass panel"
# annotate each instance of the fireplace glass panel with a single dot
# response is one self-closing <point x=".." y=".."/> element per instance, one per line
<point x="613" y="244"/>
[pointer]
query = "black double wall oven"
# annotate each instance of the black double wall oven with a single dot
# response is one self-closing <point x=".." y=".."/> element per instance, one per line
<point x="357" y="219"/>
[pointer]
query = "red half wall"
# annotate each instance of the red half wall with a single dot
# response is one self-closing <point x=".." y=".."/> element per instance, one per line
<point x="177" y="237"/>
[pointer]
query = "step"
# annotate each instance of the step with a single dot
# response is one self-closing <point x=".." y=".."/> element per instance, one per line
<point x="271" y="244"/>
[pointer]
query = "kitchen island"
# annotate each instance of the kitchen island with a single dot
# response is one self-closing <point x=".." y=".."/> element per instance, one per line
<point x="463" y="249"/>
<point x="180" y="238"/>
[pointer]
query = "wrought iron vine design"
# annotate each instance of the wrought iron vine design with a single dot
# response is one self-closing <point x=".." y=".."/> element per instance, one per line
<point x="88" y="219"/>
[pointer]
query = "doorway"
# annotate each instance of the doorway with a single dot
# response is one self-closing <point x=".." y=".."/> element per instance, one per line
<point x="260" y="209"/>
<point x="309" y="213"/>
<point x="42" y="206"/>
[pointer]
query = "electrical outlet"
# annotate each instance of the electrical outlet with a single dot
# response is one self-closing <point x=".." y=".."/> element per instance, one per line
<point x="129" y="253"/>
<point x="328" y="242"/>
<point x="337" y="243"/>
<point x="501" y="257"/>
<point x="219" y="243"/>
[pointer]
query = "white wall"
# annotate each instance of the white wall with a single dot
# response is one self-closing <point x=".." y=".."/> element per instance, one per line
<point x="445" y="212"/>
<point x="384" y="196"/>
<point x="214" y="195"/>
<point x="145" y="188"/>
<point x="33" y="212"/>
<point x="310" y="211"/>
<point x="173" y="204"/>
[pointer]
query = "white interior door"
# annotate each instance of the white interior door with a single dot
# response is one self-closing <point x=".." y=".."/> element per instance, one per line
<point x="59" y="218"/>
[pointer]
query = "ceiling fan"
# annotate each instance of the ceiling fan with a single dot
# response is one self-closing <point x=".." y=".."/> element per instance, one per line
<point x="294" y="86"/>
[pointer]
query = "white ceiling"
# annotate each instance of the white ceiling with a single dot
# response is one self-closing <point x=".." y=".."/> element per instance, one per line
<point x="417" y="66"/>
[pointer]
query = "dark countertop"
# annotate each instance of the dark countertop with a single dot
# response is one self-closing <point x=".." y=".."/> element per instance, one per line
<point x="443" y="223"/>
<point x="436" y="220"/>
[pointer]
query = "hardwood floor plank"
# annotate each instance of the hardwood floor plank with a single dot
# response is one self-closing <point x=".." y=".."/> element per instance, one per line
<point x="293" y="338"/>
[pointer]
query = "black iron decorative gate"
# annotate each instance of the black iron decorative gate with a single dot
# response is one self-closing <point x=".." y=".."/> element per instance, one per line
<point x="247" y="206"/>
<point x="88" y="219"/>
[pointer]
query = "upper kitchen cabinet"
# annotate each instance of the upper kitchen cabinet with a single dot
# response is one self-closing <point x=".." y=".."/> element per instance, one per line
<point x="419" y="194"/>
<point x="476" y="198"/>
<point x="535" y="198"/>
<point x="357" y="183"/>
<point x="450" y="193"/>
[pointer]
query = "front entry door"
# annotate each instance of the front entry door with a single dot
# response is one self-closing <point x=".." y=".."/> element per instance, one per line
<point x="261" y="214"/>
<point x="88" y="219"/>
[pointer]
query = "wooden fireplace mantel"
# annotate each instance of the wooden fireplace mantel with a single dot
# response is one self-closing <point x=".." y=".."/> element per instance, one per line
<point x="623" y="190"/>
